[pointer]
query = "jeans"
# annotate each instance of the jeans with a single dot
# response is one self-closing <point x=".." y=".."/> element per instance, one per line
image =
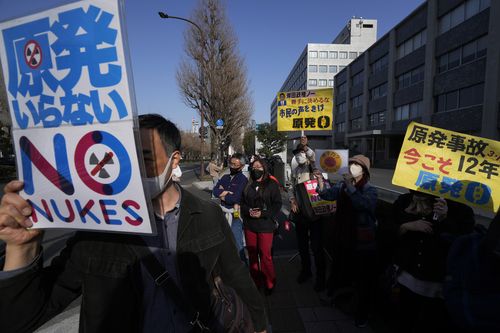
<point x="237" y="229"/>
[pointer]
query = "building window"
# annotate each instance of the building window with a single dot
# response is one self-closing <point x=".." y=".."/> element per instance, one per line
<point x="323" y="54"/>
<point x="461" y="13"/>
<point x="332" y="68"/>
<point x="357" y="79"/>
<point x="331" y="83"/>
<point x="322" y="83"/>
<point x="333" y="55"/>
<point x="313" y="82"/>
<point x="410" y="78"/>
<point x="378" y="91"/>
<point x="313" y="54"/>
<point x="411" y="44"/>
<point x="380" y="64"/>
<point x="341" y="127"/>
<point x="408" y="111"/>
<point x="461" y="98"/>
<point x="341" y="108"/>
<point x="323" y="68"/>
<point x="376" y="118"/>
<point x="343" y="55"/>
<point x="353" y="55"/>
<point x="357" y="101"/>
<point x="313" y="68"/>
<point x="465" y="54"/>
<point x="341" y="88"/>
<point x="356" y="124"/>
<point x="341" y="68"/>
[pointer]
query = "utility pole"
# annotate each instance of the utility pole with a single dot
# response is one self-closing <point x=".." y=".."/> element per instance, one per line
<point x="164" y="15"/>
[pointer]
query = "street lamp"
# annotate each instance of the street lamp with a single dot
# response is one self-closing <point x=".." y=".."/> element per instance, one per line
<point x="164" y="15"/>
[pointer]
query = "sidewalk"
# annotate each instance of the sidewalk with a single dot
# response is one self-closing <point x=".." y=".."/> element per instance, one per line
<point x="295" y="308"/>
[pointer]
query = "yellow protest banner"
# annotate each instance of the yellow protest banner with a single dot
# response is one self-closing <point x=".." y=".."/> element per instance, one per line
<point x="451" y="165"/>
<point x="308" y="110"/>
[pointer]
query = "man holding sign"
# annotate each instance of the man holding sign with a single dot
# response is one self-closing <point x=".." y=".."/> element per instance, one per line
<point x="119" y="293"/>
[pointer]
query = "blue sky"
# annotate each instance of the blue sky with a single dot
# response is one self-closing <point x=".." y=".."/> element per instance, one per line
<point x="271" y="34"/>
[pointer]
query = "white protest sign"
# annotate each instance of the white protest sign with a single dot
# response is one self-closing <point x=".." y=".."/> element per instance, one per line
<point x="72" y="116"/>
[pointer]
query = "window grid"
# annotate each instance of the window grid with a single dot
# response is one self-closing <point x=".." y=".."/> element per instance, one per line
<point x="408" y="111"/>
<point x="411" y="44"/>
<point x="380" y="64"/>
<point x="461" y="13"/>
<point x="378" y="91"/>
<point x="410" y="78"/>
<point x="461" y="98"/>
<point x="462" y="55"/>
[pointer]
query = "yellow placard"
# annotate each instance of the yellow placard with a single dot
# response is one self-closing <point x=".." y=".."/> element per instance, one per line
<point x="451" y="165"/>
<point x="308" y="110"/>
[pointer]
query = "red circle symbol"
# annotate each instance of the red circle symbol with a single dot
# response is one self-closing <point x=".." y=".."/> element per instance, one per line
<point x="33" y="54"/>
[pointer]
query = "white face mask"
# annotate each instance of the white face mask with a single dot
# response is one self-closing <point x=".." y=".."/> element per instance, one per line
<point x="301" y="158"/>
<point x="154" y="186"/>
<point x="356" y="170"/>
<point x="177" y="174"/>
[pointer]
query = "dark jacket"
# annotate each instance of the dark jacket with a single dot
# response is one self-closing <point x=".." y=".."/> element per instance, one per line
<point x="268" y="199"/>
<point x="234" y="184"/>
<point x="361" y="202"/>
<point x="105" y="271"/>
<point x="424" y="255"/>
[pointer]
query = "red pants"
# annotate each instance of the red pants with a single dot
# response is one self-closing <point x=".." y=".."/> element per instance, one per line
<point x="259" y="245"/>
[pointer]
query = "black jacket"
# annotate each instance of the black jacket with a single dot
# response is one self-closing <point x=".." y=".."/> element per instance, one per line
<point x="268" y="199"/>
<point x="104" y="270"/>
<point x="424" y="255"/>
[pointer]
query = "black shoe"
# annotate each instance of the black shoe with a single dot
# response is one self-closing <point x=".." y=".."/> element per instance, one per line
<point x="319" y="285"/>
<point x="303" y="276"/>
<point x="268" y="291"/>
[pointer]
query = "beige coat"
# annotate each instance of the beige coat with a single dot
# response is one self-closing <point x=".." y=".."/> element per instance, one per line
<point x="214" y="169"/>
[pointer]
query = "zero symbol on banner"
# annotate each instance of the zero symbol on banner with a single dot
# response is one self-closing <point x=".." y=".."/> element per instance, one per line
<point x="33" y="54"/>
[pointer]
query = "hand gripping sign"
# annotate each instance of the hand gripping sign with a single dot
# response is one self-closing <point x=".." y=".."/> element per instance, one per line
<point x="73" y="118"/>
<point x="451" y="165"/>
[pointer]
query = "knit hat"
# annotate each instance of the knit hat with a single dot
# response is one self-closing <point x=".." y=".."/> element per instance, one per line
<point x="361" y="160"/>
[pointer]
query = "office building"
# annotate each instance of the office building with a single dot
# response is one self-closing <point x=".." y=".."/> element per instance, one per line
<point x="439" y="66"/>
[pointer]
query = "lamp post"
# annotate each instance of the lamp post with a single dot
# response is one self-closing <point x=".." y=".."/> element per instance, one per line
<point x="164" y="15"/>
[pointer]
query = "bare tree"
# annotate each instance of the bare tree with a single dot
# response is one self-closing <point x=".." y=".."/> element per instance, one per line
<point x="212" y="78"/>
<point x="191" y="146"/>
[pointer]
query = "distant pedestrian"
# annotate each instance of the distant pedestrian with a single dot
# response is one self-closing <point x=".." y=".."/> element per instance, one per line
<point x="260" y="206"/>
<point x="214" y="170"/>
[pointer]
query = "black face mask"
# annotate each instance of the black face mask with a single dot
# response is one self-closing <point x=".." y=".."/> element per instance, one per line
<point x="256" y="174"/>
<point x="233" y="171"/>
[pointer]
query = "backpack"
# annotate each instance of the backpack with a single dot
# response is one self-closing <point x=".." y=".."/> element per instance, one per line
<point x="472" y="285"/>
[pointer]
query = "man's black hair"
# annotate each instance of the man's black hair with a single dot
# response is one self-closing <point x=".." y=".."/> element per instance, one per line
<point x="169" y="133"/>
